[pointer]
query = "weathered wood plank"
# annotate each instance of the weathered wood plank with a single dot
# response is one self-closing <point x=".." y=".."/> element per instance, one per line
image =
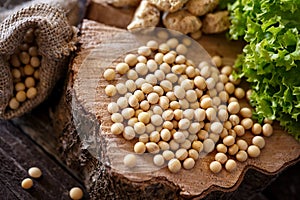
<point x="17" y="154"/>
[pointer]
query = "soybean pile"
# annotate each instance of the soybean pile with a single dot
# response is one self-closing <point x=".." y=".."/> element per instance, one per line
<point x="25" y="69"/>
<point x="179" y="111"/>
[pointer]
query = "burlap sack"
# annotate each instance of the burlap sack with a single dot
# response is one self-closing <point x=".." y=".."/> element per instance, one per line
<point x="56" y="39"/>
<point x="74" y="9"/>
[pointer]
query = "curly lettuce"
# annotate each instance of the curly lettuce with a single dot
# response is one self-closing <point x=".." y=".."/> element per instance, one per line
<point x="271" y="59"/>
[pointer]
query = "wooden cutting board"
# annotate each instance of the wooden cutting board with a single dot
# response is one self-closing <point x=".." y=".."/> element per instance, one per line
<point x="106" y="179"/>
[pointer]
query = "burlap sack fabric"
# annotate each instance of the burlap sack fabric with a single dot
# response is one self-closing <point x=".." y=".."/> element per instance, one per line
<point x="56" y="39"/>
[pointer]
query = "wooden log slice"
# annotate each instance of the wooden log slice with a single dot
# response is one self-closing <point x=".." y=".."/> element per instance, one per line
<point x="109" y="178"/>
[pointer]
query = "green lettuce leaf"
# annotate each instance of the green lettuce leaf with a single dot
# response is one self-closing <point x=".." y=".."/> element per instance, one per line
<point x="271" y="59"/>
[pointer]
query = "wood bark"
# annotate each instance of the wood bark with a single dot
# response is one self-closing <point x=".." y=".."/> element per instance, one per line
<point x="107" y="180"/>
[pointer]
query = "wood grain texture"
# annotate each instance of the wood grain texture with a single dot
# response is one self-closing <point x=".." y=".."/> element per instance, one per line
<point x="98" y="44"/>
<point x="18" y="153"/>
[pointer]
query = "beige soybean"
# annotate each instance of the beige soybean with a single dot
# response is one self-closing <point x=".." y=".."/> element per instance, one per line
<point x="246" y="112"/>
<point x="206" y="103"/>
<point x="139" y="128"/>
<point x="139" y="94"/>
<point x="112" y="107"/>
<point x="230" y="165"/>
<point x="191" y="95"/>
<point x="132" y="75"/>
<point x="239" y="93"/>
<point x="253" y="151"/>
<point x="234" y="120"/>
<point x="150" y="78"/>
<point x="24" y="57"/>
<point x="130" y="160"/>
<point x="31" y="93"/>
<point x="139" y="148"/>
<point x="174" y="165"/>
<point x="139" y="82"/>
<point x="267" y="130"/>
<point x="133" y="101"/>
<point x="221" y="157"/>
<point x="242" y="144"/>
<point x="152" y="147"/>
<point x="144" y="138"/>
<point x="203" y="134"/>
<point x="233" y="149"/>
<point x="153" y="98"/>
<point x="247" y="123"/>
<point x="229" y="140"/>
<point x="76" y="193"/>
<point x="163" y="48"/>
<point x="16" y="73"/>
<point x="188" y="163"/>
<point x="33" y="51"/>
<point x="34" y="172"/>
<point x="122" y="68"/>
<point x="181" y="49"/>
<point x="166" y="85"/>
<point x="215" y="167"/>
<point x="168" y="125"/>
<point x="258" y="141"/>
<point x="169" y="58"/>
<point x="229" y="88"/>
<point x="165" y="68"/>
<point x="256" y="129"/>
<point x="217" y="60"/>
<point x="152" y="44"/>
<point x="109" y="74"/>
<point x="221" y="148"/>
<point x="28" y="70"/>
<point x="121" y="88"/>
<point x="117" y="117"/>
<point x="157" y="89"/>
<point x="208" y="145"/>
<point x="14" y="61"/>
<point x="158" y="160"/>
<point x="27" y="183"/>
<point x="180" y="59"/>
<point x="35" y="61"/>
<point x="21" y="96"/>
<point x="117" y="128"/>
<point x="144" y="51"/>
<point x="186" y="144"/>
<point x="239" y="129"/>
<point x="233" y="107"/>
<point x="181" y="154"/>
<point x="29" y="82"/>
<point x="174" y="145"/>
<point x="154" y="137"/>
<point x="193" y="154"/>
<point x="168" y="155"/>
<point x="131" y="59"/>
<point x="241" y="156"/>
<point x="128" y="133"/>
<point x="110" y="90"/>
<point x="163" y="145"/>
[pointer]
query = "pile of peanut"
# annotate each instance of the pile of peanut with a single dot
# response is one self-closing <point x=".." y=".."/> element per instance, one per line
<point x="186" y="16"/>
<point x="25" y="64"/>
<point x="179" y="111"/>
